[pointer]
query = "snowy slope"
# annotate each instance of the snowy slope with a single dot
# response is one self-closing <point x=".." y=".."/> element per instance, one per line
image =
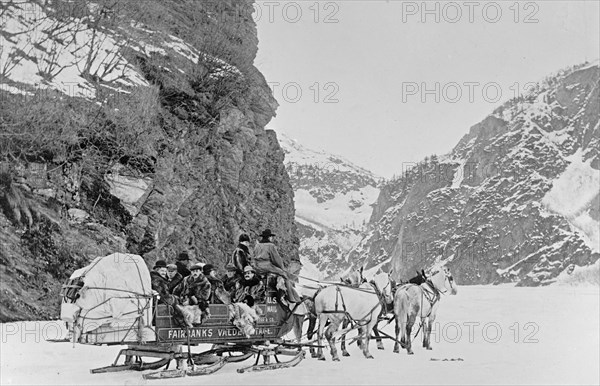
<point x="516" y="200"/>
<point x="497" y="335"/>
<point x="74" y="56"/>
<point x="333" y="200"/>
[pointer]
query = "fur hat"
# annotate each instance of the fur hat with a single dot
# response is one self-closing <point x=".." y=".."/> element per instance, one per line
<point x="244" y="237"/>
<point x="160" y="264"/>
<point x="267" y="233"/>
<point x="207" y="268"/>
<point x="196" y="266"/>
<point x="183" y="256"/>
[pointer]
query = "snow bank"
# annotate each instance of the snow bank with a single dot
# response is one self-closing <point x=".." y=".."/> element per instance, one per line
<point x="44" y="53"/>
<point x="571" y="195"/>
<point x="336" y="213"/>
<point x="495" y="334"/>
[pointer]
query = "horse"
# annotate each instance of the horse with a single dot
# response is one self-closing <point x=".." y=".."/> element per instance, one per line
<point x="411" y="300"/>
<point x="354" y="279"/>
<point x="361" y="305"/>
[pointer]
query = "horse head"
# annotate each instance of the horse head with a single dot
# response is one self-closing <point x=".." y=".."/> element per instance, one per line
<point x="384" y="285"/>
<point x="443" y="281"/>
<point x="354" y="278"/>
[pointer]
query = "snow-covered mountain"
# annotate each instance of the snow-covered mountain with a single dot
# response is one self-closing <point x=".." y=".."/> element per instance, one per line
<point x="516" y="200"/>
<point x="333" y="199"/>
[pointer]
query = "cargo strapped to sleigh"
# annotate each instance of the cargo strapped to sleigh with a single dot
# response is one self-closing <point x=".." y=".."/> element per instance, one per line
<point x="109" y="301"/>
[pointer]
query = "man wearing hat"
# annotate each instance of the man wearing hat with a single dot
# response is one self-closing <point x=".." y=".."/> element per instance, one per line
<point x="215" y="283"/>
<point x="241" y="255"/>
<point x="250" y="285"/>
<point x="160" y="283"/>
<point x="194" y="289"/>
<point x="183" y="262"/>
<point x="230" y="279"/>
<point x="267" y="260"/>
<point x="173" y="277"/>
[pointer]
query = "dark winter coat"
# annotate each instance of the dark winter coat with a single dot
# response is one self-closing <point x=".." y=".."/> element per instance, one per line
<point x="240" y="258"/>
<point x="161" y="285"/>
<point x="230" y="282"/>
<point x="214" y="284"/>
<point x="174" y="282"/>
<point x="253" y="287"/>
<point x="267" y="260"/>
<point x="195" y="291"/>
<point x="182" y="269"/>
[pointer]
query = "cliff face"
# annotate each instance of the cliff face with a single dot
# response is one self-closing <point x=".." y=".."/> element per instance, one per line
<point x="515" y="201"/>
<point x="163" y="152"/>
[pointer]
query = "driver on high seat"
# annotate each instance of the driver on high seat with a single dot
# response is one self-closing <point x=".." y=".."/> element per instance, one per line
<point x="267" y="260"/>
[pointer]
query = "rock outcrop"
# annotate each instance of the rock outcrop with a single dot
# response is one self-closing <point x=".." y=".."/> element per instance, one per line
<point x="169" y="156"/>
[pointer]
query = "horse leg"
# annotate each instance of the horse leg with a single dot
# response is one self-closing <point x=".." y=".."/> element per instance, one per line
<point x="367" y="331"/>
<point x="427" y="336"/>
<point x="322" y="322"/>
<point x="397" y="331"/>
<point x="425" y="327"/>
<point x="343" y="345"/>
<point x="378" y="337"/>
<point x="312" y="321"/>
<point x="333" y="327"/>
<point x="409" y="325"/>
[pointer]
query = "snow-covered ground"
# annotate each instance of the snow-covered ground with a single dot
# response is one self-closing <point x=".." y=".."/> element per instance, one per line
<point x="497" y="335"/>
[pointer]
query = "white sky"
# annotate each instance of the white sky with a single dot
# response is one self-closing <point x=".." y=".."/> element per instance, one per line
<point x="369" y="56"/>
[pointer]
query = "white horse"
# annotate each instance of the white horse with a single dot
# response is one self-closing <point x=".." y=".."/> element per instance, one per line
<point x="421" y="300"/>
<point x="361" y="305"/>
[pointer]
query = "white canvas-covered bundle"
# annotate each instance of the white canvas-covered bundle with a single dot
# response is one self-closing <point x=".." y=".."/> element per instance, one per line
<point x="114" y="303"/>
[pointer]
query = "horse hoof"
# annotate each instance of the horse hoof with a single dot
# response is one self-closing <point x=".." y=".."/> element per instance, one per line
<point x="336" y="359"/>
<point x="346" y="354"/>
<point x="381" y="348"/>
<point x="410" y="353"/>
<point x="314" y="355"/>
<point x="429" y="348"/>
<point x="396" y="350"/>
<point x="369" y="356"/>
<point x="321" y="358"/>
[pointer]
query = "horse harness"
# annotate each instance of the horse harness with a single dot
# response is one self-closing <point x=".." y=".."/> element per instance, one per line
<point x="432" y="295"/>
<point x="339" y="297"/>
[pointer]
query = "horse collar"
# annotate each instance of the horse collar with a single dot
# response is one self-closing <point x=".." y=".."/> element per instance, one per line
<point x="435" y="294"/>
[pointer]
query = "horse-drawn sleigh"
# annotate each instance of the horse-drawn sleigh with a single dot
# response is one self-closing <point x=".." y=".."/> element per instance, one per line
<point x="111" y="302"/>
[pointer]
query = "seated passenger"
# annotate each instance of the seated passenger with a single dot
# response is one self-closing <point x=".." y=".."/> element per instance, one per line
<point x="251" y="285"/>
<point x="173" y="277"/>
<point x="194" y="289"/>
<point x="160" y="283"/>
<point x="216" y="285"/>
<point x="230" y="279"/>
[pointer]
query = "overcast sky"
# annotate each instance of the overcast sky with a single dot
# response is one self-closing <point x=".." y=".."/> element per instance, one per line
<point x="388" y="82"/>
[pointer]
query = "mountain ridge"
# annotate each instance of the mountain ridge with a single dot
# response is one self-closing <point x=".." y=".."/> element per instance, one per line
<point x="482" y="208"/>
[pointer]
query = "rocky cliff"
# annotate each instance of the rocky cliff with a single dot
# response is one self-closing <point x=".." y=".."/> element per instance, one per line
<point x="516" y="200"/>
<point x="134" y="127"/>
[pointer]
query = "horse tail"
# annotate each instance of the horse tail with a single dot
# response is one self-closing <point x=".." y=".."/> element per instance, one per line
<point x="402" y="308"/>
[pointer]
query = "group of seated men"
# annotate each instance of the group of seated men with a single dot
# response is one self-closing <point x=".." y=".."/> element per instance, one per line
<point x="201" y="285"/>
